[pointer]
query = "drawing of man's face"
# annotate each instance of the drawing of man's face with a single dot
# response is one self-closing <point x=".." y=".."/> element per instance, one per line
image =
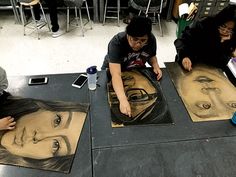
<point x="207" y="94"/>
<point x="44" y="134"/>
<point x="140" y="92"/>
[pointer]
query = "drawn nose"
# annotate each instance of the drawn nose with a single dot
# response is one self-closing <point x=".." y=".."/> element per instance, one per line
<point x="38" y="136"/>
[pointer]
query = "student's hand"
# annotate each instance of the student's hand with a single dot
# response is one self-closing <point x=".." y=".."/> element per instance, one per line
<point x="125" y="107"/>
<point x="187" y="64"/>
<point x="158" y="73"/>
<point x="7" y="123"/>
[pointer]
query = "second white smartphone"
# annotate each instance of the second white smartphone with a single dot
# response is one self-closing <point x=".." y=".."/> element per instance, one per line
<point x="38" y="81"/>
<point x="80" y="81"/>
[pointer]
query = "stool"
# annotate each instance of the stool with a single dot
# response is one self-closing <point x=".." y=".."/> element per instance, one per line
<point x="37" y="24"/>
<point x="77" y="5"/>
<point x="112" y="11"/>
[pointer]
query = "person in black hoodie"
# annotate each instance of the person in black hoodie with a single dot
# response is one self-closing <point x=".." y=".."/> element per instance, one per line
<point x="211" y="41"/>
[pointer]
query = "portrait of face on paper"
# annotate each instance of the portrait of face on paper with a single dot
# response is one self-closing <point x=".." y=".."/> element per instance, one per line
<point x="147" y="102"/>
<point x="205" y="91"/>
<point x="46" y="133"/>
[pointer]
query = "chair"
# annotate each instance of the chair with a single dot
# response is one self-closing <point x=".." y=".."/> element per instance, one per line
<point x="112" y="11"/>
<point x="37" y="24"/>
<point x="150" y="6"/>
<point x="77" y="5"/>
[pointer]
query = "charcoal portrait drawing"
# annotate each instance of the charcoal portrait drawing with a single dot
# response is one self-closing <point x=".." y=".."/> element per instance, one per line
<point x="205" y="91"/>
<point x="46" y="133"/>
<point x="148" y="105"/>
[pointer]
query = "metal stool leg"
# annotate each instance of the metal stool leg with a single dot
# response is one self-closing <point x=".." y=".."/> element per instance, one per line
<point x="68" y="19"/>
<point x="81" y="22"/>
<point x="105" y="13"/>
<point x="44" y="16"/>
<point x="22" y="18"/>
<point x="118" y="12"/>
<point x="76" y="16"/>
<point x="88" y="14"/>
<point x="159" y="22"/>
<point x="34" y="20"/>
<point x="139" y="13"/>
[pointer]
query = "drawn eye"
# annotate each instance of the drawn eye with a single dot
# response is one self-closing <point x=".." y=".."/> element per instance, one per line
<point x="57" y="120"/>
<point x="55" y="146"/>
<point x="138" y="97"/>
<point x="203" y="105"/>
<point x="232" y="104"/>
<point x="203" y="79"/>
<point x="206" y="106"/>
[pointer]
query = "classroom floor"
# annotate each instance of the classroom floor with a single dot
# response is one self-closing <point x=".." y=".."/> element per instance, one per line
<point x="69" y="53"/>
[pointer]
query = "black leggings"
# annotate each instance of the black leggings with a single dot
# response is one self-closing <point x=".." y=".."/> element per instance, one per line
<point x="52" y="7"/>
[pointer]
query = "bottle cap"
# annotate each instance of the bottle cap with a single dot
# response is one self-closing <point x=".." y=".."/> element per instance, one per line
<point x="233" y="119"/>
<point x="92" y="70"/>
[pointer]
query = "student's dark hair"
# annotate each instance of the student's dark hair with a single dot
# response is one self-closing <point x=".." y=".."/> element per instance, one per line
<point x="17" y="107"/>
<point x="227" y="14"/>
<point x="62" y="163"/>
<point x="139" y="26"/>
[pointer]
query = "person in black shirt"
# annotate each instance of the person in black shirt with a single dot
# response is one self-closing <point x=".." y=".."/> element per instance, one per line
<point x="130" y="50"/>
<point x="211" y="41"/>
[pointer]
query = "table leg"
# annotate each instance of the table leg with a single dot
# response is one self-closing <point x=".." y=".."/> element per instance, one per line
<point x="101" y="9"/>
<point x="95" y="11"/>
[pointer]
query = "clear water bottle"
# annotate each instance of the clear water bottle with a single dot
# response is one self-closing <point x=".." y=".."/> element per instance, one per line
<point x="92" y="77"/>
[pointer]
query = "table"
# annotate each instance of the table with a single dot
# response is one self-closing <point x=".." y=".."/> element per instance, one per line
<point x="182" y="149"/>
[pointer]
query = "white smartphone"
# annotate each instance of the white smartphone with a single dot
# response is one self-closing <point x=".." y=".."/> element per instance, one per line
<point x="38" y="81"/>
<point x="80" y="81"/>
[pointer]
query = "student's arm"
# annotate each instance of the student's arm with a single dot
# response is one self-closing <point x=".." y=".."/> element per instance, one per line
<point x="185" y="45"/>
<point x="183" y="57"/>
<point x="7" y="123"/>
<point x="153" y="62"/>
<point x="117" y="83"/>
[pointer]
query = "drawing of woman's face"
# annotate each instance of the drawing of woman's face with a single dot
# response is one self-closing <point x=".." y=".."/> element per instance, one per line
<point x="44" y="134"/>
<point x="208" y="94"/>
